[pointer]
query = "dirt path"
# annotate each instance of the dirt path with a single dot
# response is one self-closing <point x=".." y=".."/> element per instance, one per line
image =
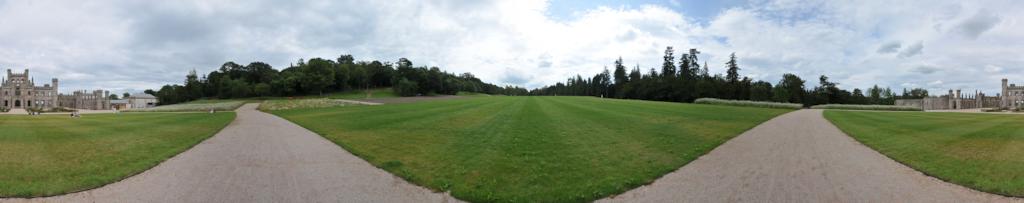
<point x="259" y="158"/>
<point x="799" y="157"/>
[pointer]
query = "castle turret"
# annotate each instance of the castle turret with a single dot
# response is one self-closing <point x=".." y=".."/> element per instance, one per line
<point x="1004" y="101"/>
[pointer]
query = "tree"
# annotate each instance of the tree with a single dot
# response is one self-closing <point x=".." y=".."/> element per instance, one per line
<point x="732" y="75"/>
<point x="262" y="90"/>
<point x="858" y="97"/>
<point x="668" y="67"/>
<point x="125" y="95"/>
<point x="790" y="89"/>
<point x="732" y="72"/>
<point x="620" y="79"/>
<point x="112" y="97"/>
<point x="761" y="91"/>
<point x="405" y="87"/>
<point x="319" y="74"/>
<point x="193" y="87"/>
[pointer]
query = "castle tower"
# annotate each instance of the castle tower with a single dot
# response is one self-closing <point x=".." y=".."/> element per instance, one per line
<point x="1004" y="101"/>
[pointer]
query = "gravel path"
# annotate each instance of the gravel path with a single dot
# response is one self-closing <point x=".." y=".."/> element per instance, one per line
<point x="799" y="157"/>
<point x="259" y="158"/>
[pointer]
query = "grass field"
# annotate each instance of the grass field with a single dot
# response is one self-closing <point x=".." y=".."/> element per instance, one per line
<point x="51" y="155"/>
<point x="530" y="149"/>
<point x="981" y="151"/>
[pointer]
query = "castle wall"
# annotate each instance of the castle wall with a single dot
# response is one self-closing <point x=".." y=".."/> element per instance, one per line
<point x="918" y="103"/>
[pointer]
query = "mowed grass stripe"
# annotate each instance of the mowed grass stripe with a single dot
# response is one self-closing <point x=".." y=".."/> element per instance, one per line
<point x="530" y="149"/>
<point x="51" y="155"/>
<point x="981" y="151"/>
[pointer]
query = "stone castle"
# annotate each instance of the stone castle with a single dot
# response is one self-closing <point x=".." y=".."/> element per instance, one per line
<point x="1012" y="97"/>
<point x="19" y="91"/>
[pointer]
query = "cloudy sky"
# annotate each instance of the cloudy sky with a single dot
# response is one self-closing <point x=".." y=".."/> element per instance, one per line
<point x="137" y="45"/>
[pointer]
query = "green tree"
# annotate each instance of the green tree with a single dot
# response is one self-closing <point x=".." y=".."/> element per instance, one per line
<point x="668" y="67"/>
<point x="761" y="91"/>
<point x="262" y="90"/>
<point x="319" y="74"/>
<point x="790" y="89"/>
<point x="620" y="79"/>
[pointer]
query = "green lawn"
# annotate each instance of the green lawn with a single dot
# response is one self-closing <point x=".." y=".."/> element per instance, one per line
<point x="981" y="151"/>
<point x="51" y="155"/>
<point x="530" y="149"/>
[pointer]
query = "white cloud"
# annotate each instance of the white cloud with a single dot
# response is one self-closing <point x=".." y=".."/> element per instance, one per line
<point x="890" y="47"/>
<point x="122" y="45"/>
<point x="912" y="50"/>
<point x="974" y="26"/>
<point x="993" y="69"/>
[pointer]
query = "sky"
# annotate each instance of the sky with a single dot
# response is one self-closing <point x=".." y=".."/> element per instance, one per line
<point x="130" y="46"/>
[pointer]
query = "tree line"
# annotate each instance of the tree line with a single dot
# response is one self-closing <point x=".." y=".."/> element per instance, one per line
<point x="318" y="76"/>
<point x="687" y="80"/>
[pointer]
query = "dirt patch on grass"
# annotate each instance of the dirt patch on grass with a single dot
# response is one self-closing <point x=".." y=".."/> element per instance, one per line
<point x="402" y="100"/>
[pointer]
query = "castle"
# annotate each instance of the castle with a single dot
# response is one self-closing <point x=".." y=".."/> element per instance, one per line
<point x="19" y="91"/>
<point x="1012" y="97"/>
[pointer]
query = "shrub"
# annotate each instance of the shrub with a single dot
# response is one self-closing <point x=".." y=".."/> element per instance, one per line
<point x="866" y="107"/>
<point x="406" y="88"/>
<point x="221" y="106"/>
<point x="50" y="110"/>
<point x="746" y="103"/>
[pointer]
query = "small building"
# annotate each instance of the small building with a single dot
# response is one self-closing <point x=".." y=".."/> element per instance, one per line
<point x="140" y="101"/>
<point x="119" y="104"/>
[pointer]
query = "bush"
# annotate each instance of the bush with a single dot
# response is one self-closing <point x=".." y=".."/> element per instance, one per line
<point x="745" y="103"/>
<point x="406" y="88"/>
<point x="222" y="106"/>
<point x="866" y="107"/>
<point x="50" y="110"/>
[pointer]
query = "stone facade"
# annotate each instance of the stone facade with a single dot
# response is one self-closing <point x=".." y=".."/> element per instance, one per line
<point x="18" y="91"/>
<point x="142" y="100"/>
<point x="1012" y="97"/>
<point x="81" y="99"/>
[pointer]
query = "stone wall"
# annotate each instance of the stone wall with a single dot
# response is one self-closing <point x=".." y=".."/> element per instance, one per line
<point x="95" y="100"/>
<point x="944" y="102"/>
<point x="919" y="103"/>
